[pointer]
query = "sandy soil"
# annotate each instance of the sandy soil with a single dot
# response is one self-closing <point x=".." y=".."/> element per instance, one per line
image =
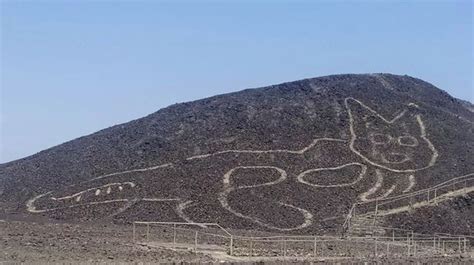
<point x="80" y="243"/>
<point x="43" y="242"/>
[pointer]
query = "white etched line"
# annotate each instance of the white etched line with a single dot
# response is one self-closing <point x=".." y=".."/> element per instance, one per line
<point x="388" y="192"/>
<point x="228" y="188"/>
<point x="160" y="199"/>
<point x="227" y="182"/>
<point x="378" y="184"/>
<point x="435" y="155"/>
<point x="131" y="184"/>
<point x="373" y="112"/>
<point x="32" y="208"/>
<point x="363" y="170"/>
<point x="315" y="141"/>
<point x="384" y="82"/>
<point x="411" y="184"/>
<point x="130" y="171"/>
<point x="180" y="211"/>
<point x="30" y="204"/>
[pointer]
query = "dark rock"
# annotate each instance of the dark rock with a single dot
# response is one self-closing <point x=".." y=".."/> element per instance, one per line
<point x="288" y="116"/>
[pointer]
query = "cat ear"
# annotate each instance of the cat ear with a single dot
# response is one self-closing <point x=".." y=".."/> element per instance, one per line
<point x="410" y="121"/>
<point x="411" y="111"/>
<point x="362" y="115"/>
<point x="358" y="111"/>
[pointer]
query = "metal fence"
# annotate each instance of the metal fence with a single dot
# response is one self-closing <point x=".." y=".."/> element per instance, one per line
<point x="381" y="207"/>
<point x="202" y="237"/>
<point x="179" y="235"/>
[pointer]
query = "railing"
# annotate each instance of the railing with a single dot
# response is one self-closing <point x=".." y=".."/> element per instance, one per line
<point x="379" y="207"/>
<point x="180" y="235"/>
<point x="382" y="241"/>
<point x="212" y="237"/>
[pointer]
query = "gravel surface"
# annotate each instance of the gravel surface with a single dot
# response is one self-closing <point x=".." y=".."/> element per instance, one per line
<point x="65" y="243"/>
<point x="80" y="243"/>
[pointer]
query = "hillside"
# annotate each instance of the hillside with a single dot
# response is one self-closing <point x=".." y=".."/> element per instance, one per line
<point x="291" y="157"/>
<point x="458" y="211"/>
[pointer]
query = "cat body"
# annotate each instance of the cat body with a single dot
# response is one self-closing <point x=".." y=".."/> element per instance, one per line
<point x="276" y="189"/>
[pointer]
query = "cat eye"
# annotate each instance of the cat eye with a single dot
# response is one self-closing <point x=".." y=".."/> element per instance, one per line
<point x="378" y="138"/>
<point x="407" y="141"/>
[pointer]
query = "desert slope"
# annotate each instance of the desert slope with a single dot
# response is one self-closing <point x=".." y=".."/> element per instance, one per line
<point x="291" y="157"/>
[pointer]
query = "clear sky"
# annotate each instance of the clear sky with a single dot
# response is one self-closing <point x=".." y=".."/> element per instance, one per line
<point x="70" y="69"/>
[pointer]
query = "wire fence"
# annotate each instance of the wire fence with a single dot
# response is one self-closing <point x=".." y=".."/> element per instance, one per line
<point x="372" y="210"/>
<point x="376" y="241"/>
<point x="202" y="237"/>
<point x="178" y="235"/>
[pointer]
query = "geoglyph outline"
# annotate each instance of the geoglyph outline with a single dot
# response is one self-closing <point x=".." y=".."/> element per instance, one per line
<point x="434" y="156"/>
<point x="222" y="197"/>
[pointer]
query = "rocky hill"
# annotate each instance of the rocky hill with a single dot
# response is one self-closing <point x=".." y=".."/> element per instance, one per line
<point x="291" y="157"/>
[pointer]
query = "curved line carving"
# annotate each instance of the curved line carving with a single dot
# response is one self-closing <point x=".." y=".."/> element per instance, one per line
<point x="363" y="170"/>
<point x="354" y="136"/>
<point x="411" y="184"/>
<point x="228" y="188"/>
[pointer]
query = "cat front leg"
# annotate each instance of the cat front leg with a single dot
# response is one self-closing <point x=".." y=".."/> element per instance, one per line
<point x="388" y="185"/>
<point x="410" y="184"/>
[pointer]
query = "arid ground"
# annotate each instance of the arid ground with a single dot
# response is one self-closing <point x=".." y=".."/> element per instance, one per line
<point x="45" y="242"/>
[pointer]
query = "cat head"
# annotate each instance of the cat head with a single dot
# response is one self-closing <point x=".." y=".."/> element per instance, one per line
<point x="398" y="145"/>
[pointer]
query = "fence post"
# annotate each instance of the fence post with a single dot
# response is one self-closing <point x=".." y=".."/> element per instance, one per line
<point x="414" y="247"/>
<point x="231" y="245"/>
<point x="435" y="196"/>
<point x="315" y="245"/>
<point x="375" y="216"/>
<point x="284" y="248"/>
<point x="174" y="236"/>
<point x="251" y="247"/>
<point x="148" y="232"/>
<point x="465" y="249"/>
<point x="375" y="247"/>
<point x="354" y="212"/>
<point x="408" y="244"/>
<point x="459" y="245"/>
<point x="321" y="246"/>
<point x="393" y="235"/>
<point x="281" y="247"/>
<point x="133" y="231"/>
<point x="196" y="241"/>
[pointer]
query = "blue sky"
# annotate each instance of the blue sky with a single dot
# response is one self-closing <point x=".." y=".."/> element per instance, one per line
<point x="69" y="69"/>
